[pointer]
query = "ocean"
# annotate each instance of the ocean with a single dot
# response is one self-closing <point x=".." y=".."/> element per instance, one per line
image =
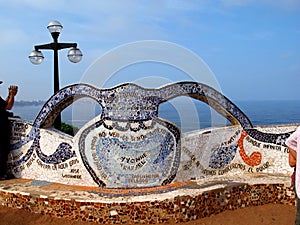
<point x="188" y="114"/>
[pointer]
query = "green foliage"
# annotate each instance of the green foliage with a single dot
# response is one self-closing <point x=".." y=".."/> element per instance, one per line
<point x="68" y="129"/>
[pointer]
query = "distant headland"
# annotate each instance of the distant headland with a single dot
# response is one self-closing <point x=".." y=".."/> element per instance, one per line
<point x="29" y="103"/>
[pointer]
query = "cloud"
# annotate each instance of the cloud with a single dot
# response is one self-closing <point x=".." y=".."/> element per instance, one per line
<point x="183" y="5"/>
<point x="279" y="4"/>
<point x="288" y="54"/>
<point x="260" y="36"/>
<point x="34" y="4"/>
<point x="231" y="3"/>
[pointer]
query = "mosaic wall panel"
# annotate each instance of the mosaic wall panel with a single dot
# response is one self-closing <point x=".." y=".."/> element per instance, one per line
<point x="236" y="153"/>
<point x="124" y="158"/>
<point x="127" y="145"/>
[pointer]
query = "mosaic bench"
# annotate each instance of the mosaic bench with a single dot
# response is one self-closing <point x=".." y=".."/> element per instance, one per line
<point x="129" y="148"/>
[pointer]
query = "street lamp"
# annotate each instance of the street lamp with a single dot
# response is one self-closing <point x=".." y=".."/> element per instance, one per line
<point x="37" y="57"/>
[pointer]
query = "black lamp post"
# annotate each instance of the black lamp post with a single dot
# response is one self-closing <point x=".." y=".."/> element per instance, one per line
<point x="74" y="55"/>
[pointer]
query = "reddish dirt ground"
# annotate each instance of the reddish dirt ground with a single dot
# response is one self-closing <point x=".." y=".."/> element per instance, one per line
<point x="270" y="214"/>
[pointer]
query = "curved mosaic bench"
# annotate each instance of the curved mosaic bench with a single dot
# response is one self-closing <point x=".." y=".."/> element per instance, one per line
<point x="128" y="147"/>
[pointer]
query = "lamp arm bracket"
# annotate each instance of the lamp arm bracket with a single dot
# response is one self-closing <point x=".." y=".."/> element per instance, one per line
<point x="66" y="45"/>
<point x="55" y="46"/>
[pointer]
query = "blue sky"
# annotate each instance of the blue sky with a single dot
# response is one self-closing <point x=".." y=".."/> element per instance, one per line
<point x="252" y="46"/>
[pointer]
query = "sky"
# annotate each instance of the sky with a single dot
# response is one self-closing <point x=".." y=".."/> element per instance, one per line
<point x="252" y="47"/>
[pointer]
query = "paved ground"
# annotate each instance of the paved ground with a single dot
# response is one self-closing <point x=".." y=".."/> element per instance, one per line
<point x="260" y="215"/>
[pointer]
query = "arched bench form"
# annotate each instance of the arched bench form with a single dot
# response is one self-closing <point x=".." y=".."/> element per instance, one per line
<point x="137" y="103"/>
<point x="129" y="125"/>
<point x="130" y="108"/>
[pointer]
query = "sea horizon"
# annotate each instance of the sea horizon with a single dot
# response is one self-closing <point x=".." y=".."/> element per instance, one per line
<point x="188" y="115"/>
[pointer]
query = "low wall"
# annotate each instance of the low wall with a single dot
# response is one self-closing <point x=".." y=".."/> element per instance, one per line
<point x="175" y="203"/>
<point x="220" y="169"/>
<point x="46" y="154"/>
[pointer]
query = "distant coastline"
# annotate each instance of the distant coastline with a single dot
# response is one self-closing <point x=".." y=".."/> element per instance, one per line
<point x="29" y="103"/>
